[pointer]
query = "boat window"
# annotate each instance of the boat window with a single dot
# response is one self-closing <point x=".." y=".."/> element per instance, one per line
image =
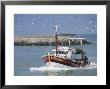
<point x="61" y="52"/>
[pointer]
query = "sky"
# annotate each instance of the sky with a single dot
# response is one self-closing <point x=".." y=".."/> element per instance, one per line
<point x="43" y="24"/>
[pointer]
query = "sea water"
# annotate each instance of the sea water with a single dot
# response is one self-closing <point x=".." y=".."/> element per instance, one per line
<point x="28" y="61"/>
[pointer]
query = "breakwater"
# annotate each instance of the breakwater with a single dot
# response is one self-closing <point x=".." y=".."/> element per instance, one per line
<point x="45" y="41"/>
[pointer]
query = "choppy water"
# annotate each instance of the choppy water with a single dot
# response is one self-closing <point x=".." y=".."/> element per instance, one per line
<point x="28" y="62"/>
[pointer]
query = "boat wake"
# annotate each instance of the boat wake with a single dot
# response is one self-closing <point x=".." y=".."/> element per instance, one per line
<point x="59" y="67"/>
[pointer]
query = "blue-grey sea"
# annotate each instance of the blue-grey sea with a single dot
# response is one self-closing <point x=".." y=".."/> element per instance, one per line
<point x="28" y="61"/>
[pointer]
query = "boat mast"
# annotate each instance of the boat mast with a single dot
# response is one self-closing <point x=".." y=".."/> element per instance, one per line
<point x="56" y="38"/>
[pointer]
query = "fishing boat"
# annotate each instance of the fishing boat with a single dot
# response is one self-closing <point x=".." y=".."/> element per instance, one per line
<point x="65" y="54"/>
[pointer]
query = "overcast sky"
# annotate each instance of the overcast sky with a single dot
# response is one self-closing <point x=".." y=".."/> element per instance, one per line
<point x="35" y="24"/>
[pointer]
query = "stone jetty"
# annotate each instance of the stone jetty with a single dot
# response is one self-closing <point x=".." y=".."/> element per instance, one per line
<point x="45" y="41"/>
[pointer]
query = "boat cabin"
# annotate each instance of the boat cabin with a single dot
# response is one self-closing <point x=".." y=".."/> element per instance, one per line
<point x="65" y="52"/>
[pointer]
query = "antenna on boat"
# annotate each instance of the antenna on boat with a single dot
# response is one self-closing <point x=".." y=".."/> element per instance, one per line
<point x="56" y="28"/>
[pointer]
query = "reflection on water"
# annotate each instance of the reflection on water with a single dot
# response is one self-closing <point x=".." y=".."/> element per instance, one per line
<point x="60" y="73"/>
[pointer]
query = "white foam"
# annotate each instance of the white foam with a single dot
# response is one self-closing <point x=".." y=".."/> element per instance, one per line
<point x="56" y="67"/>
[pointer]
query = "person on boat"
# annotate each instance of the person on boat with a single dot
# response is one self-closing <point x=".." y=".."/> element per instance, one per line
<point x="86" y="59"/>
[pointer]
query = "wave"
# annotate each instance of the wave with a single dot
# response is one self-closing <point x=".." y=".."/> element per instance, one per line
<point x="59" y="67"/>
